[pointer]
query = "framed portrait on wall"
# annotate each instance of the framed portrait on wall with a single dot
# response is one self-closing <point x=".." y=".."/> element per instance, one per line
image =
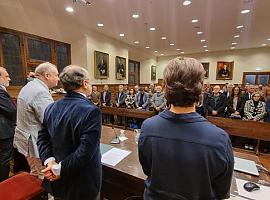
<point x="101" y="65"/>
<point x="224" y="70"/>
<point x="153" y="73"/>
<point x="120" y="68"/>
<point x="206" y="69"/>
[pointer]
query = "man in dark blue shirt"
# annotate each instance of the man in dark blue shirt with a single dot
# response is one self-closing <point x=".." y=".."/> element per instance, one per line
<point x="184" y="155"/>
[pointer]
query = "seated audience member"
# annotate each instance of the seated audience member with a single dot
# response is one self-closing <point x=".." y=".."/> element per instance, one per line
<point x="267" y="99"/>
<point x="141" y="100"/>
<point x="235" y="108"/>
<point x="120" y="98"/>
<point x="183" y="155"/>
<point x="158" y="100"/>
<point x="130" y="100"/>
<point x="247" y="96"/>
<point x="95" y="96"/>
<point x="266" y="94"/>
<point x="246" y="89"/>
<point x="254" y="109"/>
<point x="71" y="136"/>
<point x="228" y="91"/>
<point x="216" y="103"/>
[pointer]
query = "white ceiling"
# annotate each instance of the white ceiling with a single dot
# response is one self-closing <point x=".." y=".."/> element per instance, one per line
<point x="217" y="20"/>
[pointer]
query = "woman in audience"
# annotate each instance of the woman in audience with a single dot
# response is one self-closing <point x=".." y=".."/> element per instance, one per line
<point x="235" y="108"/>
<point x="267" y="100"/>
<point x="130" y="99"/>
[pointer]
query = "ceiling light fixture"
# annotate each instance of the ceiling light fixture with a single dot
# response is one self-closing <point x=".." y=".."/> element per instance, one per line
<point x="234" y="43"/>
<point x="182" y="52"/>
<point x="232" y="47"/>
<point x="177" y="49"/>
<point x="100" y="25"/>
<point x="240" y="26"/>
<point x="162" y="54"/>
<point x="172" y="44"/>
<point x="204" y="46"/>
<point x="147" y="47"/>
<point x="69" y="9"/>
<point x="163" y="38"/>
<point x="155" y="51"/>
<point x="199" y="32"/>
<point x="206" y="50"/>
<point x="186" y="3"/>
<point x="264" y="44"/>
<point x="136" y="42"/>
<point x="258" y="69"/>
<point x="194" y="20"/>
<point x="152" y="29"/>
<point x="121" y="34"/>
<point x="202" y="40"/>
<point x="236" y="36"/>
<point x="135" y="16"/>
<point x="245" y="11"/>
<point x="268" y="39"/>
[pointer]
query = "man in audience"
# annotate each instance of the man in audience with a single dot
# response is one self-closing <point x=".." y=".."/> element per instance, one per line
<point x="95" y="96"/>
<point x="120" y="98"/>
<point x="106" y="96"/>
<point x="126" y="91"/>
<point x="158" y="100"/>
<point x="228" y="91"/>
<point x="7" y="125"/>
<point x="32" y="101"/>
<point x="136" y="88"/>
<point x="248" y="95"/>
<point x="141" y="99"/>
<point x="216" y="103"/>
<point x="183" y="155"/>
<point x="69" y="140"/>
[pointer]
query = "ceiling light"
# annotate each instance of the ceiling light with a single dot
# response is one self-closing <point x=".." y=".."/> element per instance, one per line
<point x="177" y="49"/>
<point x="121" y="34"/>
<point x="135" y="16"/>
<point x="182" y="52"/>
<point x="199" y="32"/>
<point x="155" y="51"/>
<point x="268" y="39"/>
<point x="186" y="3"/>
<point x="240" y="26"/>
<point x="264" y="44"/>
<point x="162" y="54"/>
<point x="206" y="50"/>
<point x="147" y="47"/>
<point x="152" y="29"/>
<point x="172" y="44"/>
<point x="163" y="38"/>
<point x="258" y="69"/>
<point x="69" y="9"/>
<point x="202" y="40"/>
<point x="194" y="20"/>
<point x="234" y="43"/>
<point x="245" y="11"/>
<point x="136" y="42"/>
<point x="100" y="25"/>
<point x="236" y="36"/>
<point x="232" y="47"/>
<point x="204" y="46"/>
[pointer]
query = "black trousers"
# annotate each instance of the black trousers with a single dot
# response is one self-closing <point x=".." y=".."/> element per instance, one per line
<point x="6" y="150"/>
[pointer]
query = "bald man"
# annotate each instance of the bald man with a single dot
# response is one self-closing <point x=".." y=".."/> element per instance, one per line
<point x="7" y="125"/>
<point x="32" y="101"/>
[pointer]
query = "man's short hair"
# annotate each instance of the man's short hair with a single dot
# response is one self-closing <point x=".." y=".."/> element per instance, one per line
<point x="183" y="81"/>
<point x="44" y="68"/>
<point x="72" y="77"/>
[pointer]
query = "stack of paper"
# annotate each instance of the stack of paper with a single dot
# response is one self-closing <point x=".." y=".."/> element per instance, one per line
<point x="114" y="156"/>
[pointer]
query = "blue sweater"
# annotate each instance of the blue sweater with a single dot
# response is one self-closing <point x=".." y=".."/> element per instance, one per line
<point x="185" y="157"/>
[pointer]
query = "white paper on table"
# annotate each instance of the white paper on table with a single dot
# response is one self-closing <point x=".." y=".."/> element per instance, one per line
<point x="114" y="156"/>
<point x="122" y="138"/>
<point x="262" y="194"/>
<point x="236" y="198"/>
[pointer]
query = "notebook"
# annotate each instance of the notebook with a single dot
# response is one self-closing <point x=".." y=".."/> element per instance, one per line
<point x="244" y="165"/>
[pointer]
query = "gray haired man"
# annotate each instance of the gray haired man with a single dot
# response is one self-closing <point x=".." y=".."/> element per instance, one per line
<point x="32" y="101"/>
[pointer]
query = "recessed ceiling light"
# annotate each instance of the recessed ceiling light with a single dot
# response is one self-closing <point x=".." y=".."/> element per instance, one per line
<point x="236" y="36"/>
<point x="172" y="44"/>
<point x="199" y="32"/>
<point x="204" y="46"/>
<point x="121" y="34"/>
<point x="163" y="38"/>
<point x="136" y="42"/>
<point x="264" y="44"/>
<point x="186" y="3"/>
<point x="177" y="49"/>
<point x="182" y="52"/>
<point x="152" y="29"/>
<point x="155" y="51"/>
<point x="245" y="11"/>
<point x="268" y="39"/>
<point x="202" y="40"/>
<point x="100" y="25"/>
<point x="147" y="47"/>
<point x="69" y="9"/>
<point x="194" y="20"/>
<point x="234" y="43"/>
<point x="232" y="47"/>
<point x="162" y="54"/>
<point x="206" y="50"/>
<point x="240" y="26"/>
<point x="135" y="16"/>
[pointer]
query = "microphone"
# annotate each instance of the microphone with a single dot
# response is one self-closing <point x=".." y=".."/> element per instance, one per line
<point x="116" y="139"/>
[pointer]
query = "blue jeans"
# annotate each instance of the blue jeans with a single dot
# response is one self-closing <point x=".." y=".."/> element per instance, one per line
<point x="6" y="150"/>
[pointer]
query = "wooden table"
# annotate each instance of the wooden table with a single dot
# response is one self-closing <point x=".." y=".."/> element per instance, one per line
<point x="127" y="178"/>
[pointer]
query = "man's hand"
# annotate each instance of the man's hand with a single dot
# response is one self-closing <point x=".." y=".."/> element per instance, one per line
<point x="48" y="174"/>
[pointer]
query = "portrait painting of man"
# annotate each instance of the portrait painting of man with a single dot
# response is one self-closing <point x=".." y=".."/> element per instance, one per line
<point x="120" y="68"/>
<point x="101" y="68"/>
<point x="224" y="70"/>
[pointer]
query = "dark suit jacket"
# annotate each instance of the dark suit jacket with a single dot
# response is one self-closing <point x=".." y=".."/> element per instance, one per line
<point x="219" y="105"/>
<point x="121" y="100"/>
<point x="246" y="96"/>
<point x="7" y="115"/>
<point x="71" y="134"/>
<point x="108" y="97"/>
<point x="267" y="108"/>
